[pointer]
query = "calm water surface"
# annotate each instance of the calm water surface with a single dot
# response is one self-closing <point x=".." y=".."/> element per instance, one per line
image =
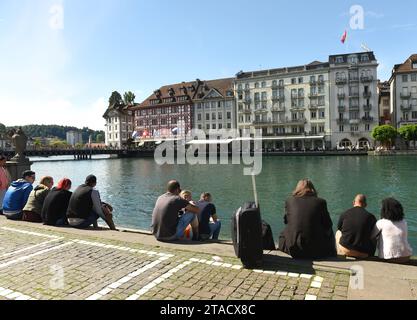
<point x="133" y="185"/>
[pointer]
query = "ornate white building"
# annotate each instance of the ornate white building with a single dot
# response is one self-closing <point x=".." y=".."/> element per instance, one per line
<point x="119" y="125"/>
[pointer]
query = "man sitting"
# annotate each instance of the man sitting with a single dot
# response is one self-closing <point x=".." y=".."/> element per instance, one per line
<point x="355" y="228"/>
<point x="17" y="196"/>
<point x="209" y="225"/>
<point x="85" y="206"/>
<point x="166" y="225"/>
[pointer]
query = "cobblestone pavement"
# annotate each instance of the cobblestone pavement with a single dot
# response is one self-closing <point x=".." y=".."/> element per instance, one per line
<point x="45" y="265"/>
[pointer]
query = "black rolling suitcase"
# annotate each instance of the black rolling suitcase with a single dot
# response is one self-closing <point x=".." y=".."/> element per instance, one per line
<point x="247" y="233"/>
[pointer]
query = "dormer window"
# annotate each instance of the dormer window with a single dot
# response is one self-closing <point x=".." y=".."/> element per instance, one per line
<point x="364" y="58"/>
<point x="415" y="65"/>
<point x="353" y="59"/>
<point x="339" y="59"/>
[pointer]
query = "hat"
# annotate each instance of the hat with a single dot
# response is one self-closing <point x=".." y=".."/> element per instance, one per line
<point x="27" y="173"/>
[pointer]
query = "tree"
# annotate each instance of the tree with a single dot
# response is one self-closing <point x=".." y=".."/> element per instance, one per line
<point x="129" y="98"/>
<point x="408" y="133"/>
<point x="99" y="138"/>
<point x="115" y="99"/>
<point x="3" y="129"/>
<point x="37" y="143"/>
<point x="385" y="134"/>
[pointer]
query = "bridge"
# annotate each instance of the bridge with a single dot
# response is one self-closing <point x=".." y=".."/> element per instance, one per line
<point x="79" y="154"/>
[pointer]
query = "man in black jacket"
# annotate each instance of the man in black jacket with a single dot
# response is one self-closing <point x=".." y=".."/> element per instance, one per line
<point x="355" y="228"/>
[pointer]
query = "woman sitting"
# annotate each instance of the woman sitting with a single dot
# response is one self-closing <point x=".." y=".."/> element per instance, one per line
<point x="33" y="208"/>
<point x="56" y="204"/>
<point x="392" y="233"/>
<point x="308" y="233"/>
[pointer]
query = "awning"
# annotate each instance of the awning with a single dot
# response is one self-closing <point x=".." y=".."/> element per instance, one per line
<point x="205" y="142"/>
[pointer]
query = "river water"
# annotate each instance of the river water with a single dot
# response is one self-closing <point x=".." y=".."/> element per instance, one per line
<point x="133" y="185"/>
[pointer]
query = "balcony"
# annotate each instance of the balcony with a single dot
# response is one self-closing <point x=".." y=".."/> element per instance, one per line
<point x="405" y="108"/>
<point x="313" y="107"/>
<point x="366" y="79"/>
<point x="341" y="81"/>
<point x="368" y="119"/>
<point x="277" y="86"/>
<point x="313" y="95"/>
<point x="341" y="95"/>
<point x="297" y="121"/>
<point x="341" y="108"/>
<point x="247" y="101"/>
<point x="367" y="95"/>
<point x="354" y="95"/>
<point x="354" y="121"/>
<point x="341" y="122"/>
<point x="405" y="95"/>
<point x="278" y="98"/>
<point x="245" y="110"/>
<point x="278" y="109"/>
<point x="320" y="81"/>
<point x="261" y="110"/>
<point x="367" y="107"/>
<point x="353" y="108"/>
<point x="354" y="79"/>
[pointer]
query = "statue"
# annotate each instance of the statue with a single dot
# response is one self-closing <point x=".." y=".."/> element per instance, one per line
<point x="19" y="140"/>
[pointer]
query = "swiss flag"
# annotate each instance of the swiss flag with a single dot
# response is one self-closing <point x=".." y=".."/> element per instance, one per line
<point x="344" y="37"/>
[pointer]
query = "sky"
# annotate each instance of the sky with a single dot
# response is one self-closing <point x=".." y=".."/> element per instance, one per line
<point x="60" y="60"/>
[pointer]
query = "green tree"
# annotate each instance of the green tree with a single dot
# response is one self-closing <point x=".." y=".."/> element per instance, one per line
<point x="385" y="135"/>
<point x="129" y="98"/>
<point x="3" y="129"/>
<point x="115" y="99"/>
<point x="37" y="143"/>
<point x="408" y="133"/>
<point x="99" y="138"/>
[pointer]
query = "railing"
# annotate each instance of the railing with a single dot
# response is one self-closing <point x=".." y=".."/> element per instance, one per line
<point x="341" y="95"/>
<point x="246" y="110"/>
<point x="278" y="109"/>
<point x="405" y="108"/>
<point x="405" y="95"/>
<point x="247" y="101"/>
<point x="341" y="80"/>
<point x="342" y="121"/>
<point x="341" y="108"/>
<point x="367" y="107"/>
<point x="353" y="94"/>
<point x="353" y="108"/>
<point x="367" y="95"/>
<point x="354" y="79"/>
<point x="278" y="98"/>
<point x="368" y="119"/>
<point x="367" y="78"/>
<point x="354" y="121"/>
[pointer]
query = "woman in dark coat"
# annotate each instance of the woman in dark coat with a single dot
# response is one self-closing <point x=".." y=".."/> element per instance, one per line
<point x="56" y="204"/>
<point x="308" y="233"/>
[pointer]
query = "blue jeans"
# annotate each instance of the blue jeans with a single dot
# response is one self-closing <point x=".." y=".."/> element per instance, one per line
<point x="183" y="222"/>
<point x="14" y="216"/>
<point x="215" y="229"/>
<point x="87" y="222"/>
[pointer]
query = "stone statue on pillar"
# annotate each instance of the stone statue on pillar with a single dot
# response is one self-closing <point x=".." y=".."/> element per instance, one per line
<point x="19" y="163"/>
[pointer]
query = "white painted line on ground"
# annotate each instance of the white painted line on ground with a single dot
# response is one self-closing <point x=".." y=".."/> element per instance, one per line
<point x="31" y="233"/>
<point x="157" y="281"/>
<point x="316" y="285"/>
<point x="28" y="248"/>
<point x="13" y="295"/>
<point x="123" y="280"/>
<point x="109" y="246"/>
<point x="310" y="297"/>
<point x="20" y="259"/>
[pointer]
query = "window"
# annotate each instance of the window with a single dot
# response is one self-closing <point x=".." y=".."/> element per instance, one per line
<point x="281" y="83"/>
<point x="313" y="115"/>
<point x="300" y="80"/>
<point x="247" y="86"/>
<point x="240" y="118"/>
<point x="213" y="126"/>
<point x="229" y="115"/>
<point x="339" y="59"/>
<point x="414" y="65"/>
<point x="207" y="126"/>
<point x="229" y="126"/>
<point x="256" y="85"/>
<point x="405" y="78"/>
<point x="264" y="96"/>
<point x="294" y="115"/>
<point x="200" y="127"/>
<point x="154" y="122"/>
<point x="341" y="128"/>
<point x="364" y="58"/>
<point x="322" y="114"/>
<point x="414" y="77"/>
<point x="321" y="78"/>
<point x="213" y="116"/>
<point x="263" y="84"/>
<point x="314" y="130"/>
<point x="220" y="126"/>
<point x="164" y="121"/>
<point x="313" y="79"/>
<point x="321" y="129"/>
<point x="220" y="116"/>
<point x="367" y="127"/>
<point x="414" y="114"/>
<point x="294" y="81"/>
<point x="354" y="128"/>
<point x="353" y="59"/>
<point x="207" y="116"/>
<point x="239" y="87"/>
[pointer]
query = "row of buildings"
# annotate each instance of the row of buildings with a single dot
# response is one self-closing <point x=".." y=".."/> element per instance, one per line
<point x="321" y="105"/>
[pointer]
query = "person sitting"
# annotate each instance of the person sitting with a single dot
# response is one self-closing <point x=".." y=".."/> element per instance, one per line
<point x="185" y="194"/>
<point x="353" y="238"/>
<point x="33" y="208"/>
<point x="17" y="195"/>
<point x="166" y="225"/>
<point x="55" y="206"/>
<point x="392" y="233"/>
<point x="4" y="180"/>
<point x="308" y="233"/>
<point x="208" y="229"/>
<point x="85" y="206"/>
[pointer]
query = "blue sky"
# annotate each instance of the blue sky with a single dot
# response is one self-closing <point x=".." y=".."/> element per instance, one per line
<point x="62" y="71"/>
